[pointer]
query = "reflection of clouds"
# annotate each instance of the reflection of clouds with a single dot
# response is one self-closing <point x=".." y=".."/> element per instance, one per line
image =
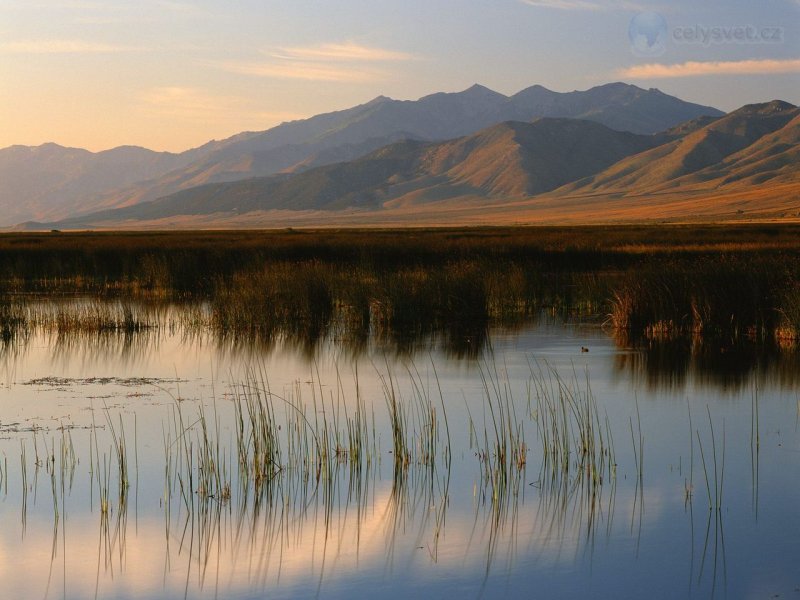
<point x="281" y="551"/>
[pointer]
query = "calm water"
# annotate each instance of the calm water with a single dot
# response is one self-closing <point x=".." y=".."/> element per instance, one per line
<point x="439" y="531"/>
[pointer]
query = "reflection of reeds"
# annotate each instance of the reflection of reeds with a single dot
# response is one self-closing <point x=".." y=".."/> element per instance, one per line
<point x="715" y="479"/>
<point x="755" y="446"/>
<point x="717" y="552"/>
<point x="24" y="473"/>
<point x="258" y="466"/>
<point x="4" y="475"/>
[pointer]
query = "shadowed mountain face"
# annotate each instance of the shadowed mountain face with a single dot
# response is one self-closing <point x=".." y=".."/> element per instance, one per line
<point x="554" y="161"/>
<point x="505" y="161"/>
<point x="53" y="182"/>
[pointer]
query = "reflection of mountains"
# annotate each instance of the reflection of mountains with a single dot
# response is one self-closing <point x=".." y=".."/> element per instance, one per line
<point x="729" y="366"/>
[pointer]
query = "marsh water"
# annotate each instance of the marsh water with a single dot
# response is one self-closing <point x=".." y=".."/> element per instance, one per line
<point x="693" y="494"/>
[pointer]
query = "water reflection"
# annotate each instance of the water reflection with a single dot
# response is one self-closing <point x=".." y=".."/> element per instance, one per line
<point x="670" y="364"/>
<point x="302" y="489"/>
<point x="659" y="363"/>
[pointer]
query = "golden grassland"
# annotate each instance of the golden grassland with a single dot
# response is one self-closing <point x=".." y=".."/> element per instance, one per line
<point x="630" y="238"/>
<point x="698" y="205"/>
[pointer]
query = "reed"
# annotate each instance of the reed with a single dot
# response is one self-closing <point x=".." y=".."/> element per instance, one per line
<point x="736" y="296"/>
<point x="403" y="286"/>
<point x="788" y="330"/>
<point x="573" y="436"/>
<point x="501" y="447"/>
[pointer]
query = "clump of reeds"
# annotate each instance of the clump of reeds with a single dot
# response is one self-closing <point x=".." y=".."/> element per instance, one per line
<point x="257" y="435"/>
<point x="501" y="447"/>
<point x="14" y="322"/>
<point x="719" y="295"/>
<point x="574" y="438"/>
<point x="101" y="467"/>
<point x="788" y="331"/>
<point x="4" y="474"/>
<point x="416" y="424"/>
<point x="93" y="316"/>
<point x="280" y="296"/>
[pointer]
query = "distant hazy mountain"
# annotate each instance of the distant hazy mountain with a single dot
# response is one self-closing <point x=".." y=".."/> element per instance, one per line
<point x="349" y="134"/>
<point x="51" y="181"/>
<point x="505" y="161"/>
<point x="45" y="183"/>
<point x="754" y="144"/>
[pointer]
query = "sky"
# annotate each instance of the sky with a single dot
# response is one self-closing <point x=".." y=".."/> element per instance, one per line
<point x="174" y="74"/>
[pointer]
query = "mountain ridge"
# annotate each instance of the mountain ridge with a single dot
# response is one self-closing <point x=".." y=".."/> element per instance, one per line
<point x="542" y="169"/>
<point x="509" y="160"/>
<point x="692" y="158"/>
<point x="328" y="138"/>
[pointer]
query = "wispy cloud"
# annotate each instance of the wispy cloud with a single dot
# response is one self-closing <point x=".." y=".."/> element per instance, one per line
<point x="309" y="71"/>
<point x="345" y="62"/>
<point x="195" y="104"/>
<point x="186" y="101"/>
<point x="347" y="51"/>
<point x="696" y="69"/>
<point x="63" y="47"/>
<point x="593" y="5"/>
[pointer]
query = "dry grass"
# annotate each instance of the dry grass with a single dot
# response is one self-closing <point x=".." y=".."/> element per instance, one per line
<point x="409" y="283"/>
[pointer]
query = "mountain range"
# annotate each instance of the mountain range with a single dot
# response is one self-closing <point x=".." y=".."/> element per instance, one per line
<point x="744" y="164"/>
<point x="612" y="153"/>
<point x="752" y="145"/>
<point x="53" y="183"/>
<point x="511" y="160"/>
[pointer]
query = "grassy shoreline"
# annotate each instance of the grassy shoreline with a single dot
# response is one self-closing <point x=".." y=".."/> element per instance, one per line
<point x="727" y="281"/>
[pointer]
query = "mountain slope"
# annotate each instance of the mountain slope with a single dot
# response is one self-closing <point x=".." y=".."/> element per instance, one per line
<point x="509" y="160"/>
<point x="774" y="158"/>
<point x="316" y="141"/>
<point x="354" y="132"/>
<point x="51" y="181"/>
<point x="748" y="142"/>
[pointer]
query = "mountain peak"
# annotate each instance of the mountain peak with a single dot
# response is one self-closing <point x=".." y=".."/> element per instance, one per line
<point x="378" y="100"/>
<point x="620" y="89"/>
<point x="620" y="85"/>
<point x="766" y="108"/>
<point x="478" y="90"/>
<point x="534" y="92"/>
